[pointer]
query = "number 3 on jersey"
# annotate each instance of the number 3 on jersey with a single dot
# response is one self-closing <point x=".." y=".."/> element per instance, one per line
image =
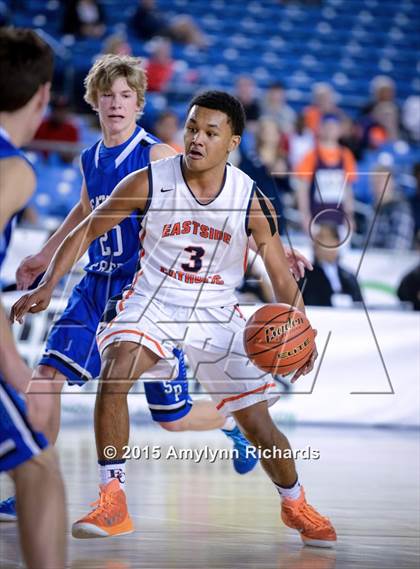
<point x="106" y="249"/>
<point x="195" y="263"/>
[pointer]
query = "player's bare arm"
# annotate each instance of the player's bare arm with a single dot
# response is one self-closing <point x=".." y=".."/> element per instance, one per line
<point x="34" y="265"/>
<point x="17" y="185"/>
<point x="263" y="227"/>
<point x="129" y="195"/>
<point x="264" y="230"/>
<point x="298" y="263"/>
<point x="14" y="173"/>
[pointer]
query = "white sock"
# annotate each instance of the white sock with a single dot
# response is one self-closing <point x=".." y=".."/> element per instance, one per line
<point x="112" y="469"/>
<point x="291" y="493"/>
<point x="229" y="424"/>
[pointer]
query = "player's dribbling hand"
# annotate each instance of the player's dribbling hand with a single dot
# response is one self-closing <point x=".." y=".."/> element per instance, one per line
<point x="308" y="366"/>
<point x="29" y="269"/>
<point x="35" y="301"/>
<point x="298" y="263"/>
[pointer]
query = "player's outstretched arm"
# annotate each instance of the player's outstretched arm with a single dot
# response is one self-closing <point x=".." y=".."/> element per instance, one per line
<point x="34" y="265"/>
<point x="129" y="195"/>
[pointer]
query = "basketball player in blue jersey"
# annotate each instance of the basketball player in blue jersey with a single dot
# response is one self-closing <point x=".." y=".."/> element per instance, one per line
<point x="26" y="66"/>
<point x="184" y="294"/>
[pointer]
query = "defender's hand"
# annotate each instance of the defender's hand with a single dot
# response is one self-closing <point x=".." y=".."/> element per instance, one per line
<point x="298" y="263"/>
<point x="35" y="301"/>
<point x="29" y="269"/>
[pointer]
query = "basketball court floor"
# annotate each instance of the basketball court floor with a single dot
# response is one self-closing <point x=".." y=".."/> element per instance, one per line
<point x="202" y="515"/>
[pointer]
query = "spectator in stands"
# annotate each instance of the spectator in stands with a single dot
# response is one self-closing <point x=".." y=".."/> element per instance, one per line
<point x="324" y="177"/>
<point x="117" y="44"/>
<point x="149" y="22"/>
<point x="374" y="136"/>
<point x="329" y="280"/>
<point x="409" y="288"/>
<point x="415" y="204"/>
<point x="246" y="91"/>
<point x="167" y="129"/>
<point x="351" y="136"/>
<point x="301" y="141"/>
<point x="383" y="109"/>
<point x="160" y="66"/>
<point x="411" y="118"/>
<point x="58" y="126"/>
<point x="84" y="18"/>
<point x="264" y="161"/>
<point x="276" y="109"/>
<point x="323" y="102"/>
<point x="393" y="224"/>
<point x="4" y="14"/>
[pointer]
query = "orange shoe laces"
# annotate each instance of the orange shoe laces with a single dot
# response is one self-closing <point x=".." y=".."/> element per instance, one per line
<point x="310" y="515"/>
<point x="101" y="505"/>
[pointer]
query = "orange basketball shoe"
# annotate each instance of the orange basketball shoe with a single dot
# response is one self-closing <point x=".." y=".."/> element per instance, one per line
<point x="110" y="516"/>
<point x="314" y="529"/>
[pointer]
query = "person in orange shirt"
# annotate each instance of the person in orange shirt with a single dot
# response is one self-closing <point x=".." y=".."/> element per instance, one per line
<point x="323" y="103"/>
<point x="324" y="177"/>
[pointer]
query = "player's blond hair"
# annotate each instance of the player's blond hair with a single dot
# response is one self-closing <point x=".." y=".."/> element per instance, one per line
<point x="107" y="69"/>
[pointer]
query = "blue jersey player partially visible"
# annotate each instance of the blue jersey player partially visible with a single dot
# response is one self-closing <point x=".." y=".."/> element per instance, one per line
<point x="26" y="67"/>
<point x="115" y="88"/>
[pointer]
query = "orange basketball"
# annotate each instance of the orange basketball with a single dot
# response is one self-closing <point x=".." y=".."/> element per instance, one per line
<point x="278" y="338"/>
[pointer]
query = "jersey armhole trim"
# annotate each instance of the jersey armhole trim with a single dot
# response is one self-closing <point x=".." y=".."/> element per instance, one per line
<point x="251" y="197"/>
<point x="150" y="194"/>
<point x="266" y="210"/>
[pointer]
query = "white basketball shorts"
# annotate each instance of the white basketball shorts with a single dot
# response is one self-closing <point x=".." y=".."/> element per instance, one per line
<point x="212" y="339"/>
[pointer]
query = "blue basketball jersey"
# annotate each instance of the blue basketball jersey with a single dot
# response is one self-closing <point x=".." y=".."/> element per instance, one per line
<point x="7" y="150"/>
<point x="117" y="250"/>
<point x="19" y="442"/>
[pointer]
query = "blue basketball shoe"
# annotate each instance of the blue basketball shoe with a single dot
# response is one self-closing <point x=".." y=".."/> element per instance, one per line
<point x="8" y="510"/>
<point x="244" y="461"/>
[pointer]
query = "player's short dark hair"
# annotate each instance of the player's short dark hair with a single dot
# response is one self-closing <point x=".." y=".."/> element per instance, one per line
<point x="222" y="101"/>
<point x="26" y="63"/>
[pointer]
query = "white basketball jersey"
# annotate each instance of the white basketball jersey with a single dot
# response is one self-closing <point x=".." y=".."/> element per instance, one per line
<point x="194" y="254"/>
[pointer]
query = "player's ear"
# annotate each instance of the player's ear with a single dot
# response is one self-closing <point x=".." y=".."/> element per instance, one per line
<point x="234" y="142"/>
<point x="44" y="93"/>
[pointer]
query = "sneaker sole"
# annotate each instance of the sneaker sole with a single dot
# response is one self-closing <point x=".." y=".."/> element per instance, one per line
<point x="88" y="531"/>
<point x="8" y="518"/>
<point x="325" y="544"/>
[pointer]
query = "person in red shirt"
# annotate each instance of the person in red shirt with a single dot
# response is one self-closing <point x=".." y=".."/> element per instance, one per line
<point x="160" y="67"/>
<point x="58" y="127"/>
<point x="324" y="177"/>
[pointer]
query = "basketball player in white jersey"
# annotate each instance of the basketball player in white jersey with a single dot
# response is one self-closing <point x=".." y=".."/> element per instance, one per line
<point x="198" y="212"/>
<point x="115" y="88"/>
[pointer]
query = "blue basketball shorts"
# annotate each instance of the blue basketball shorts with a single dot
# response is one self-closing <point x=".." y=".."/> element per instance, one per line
<point x="18" y="440"/>
<point x="72" y="350"/>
